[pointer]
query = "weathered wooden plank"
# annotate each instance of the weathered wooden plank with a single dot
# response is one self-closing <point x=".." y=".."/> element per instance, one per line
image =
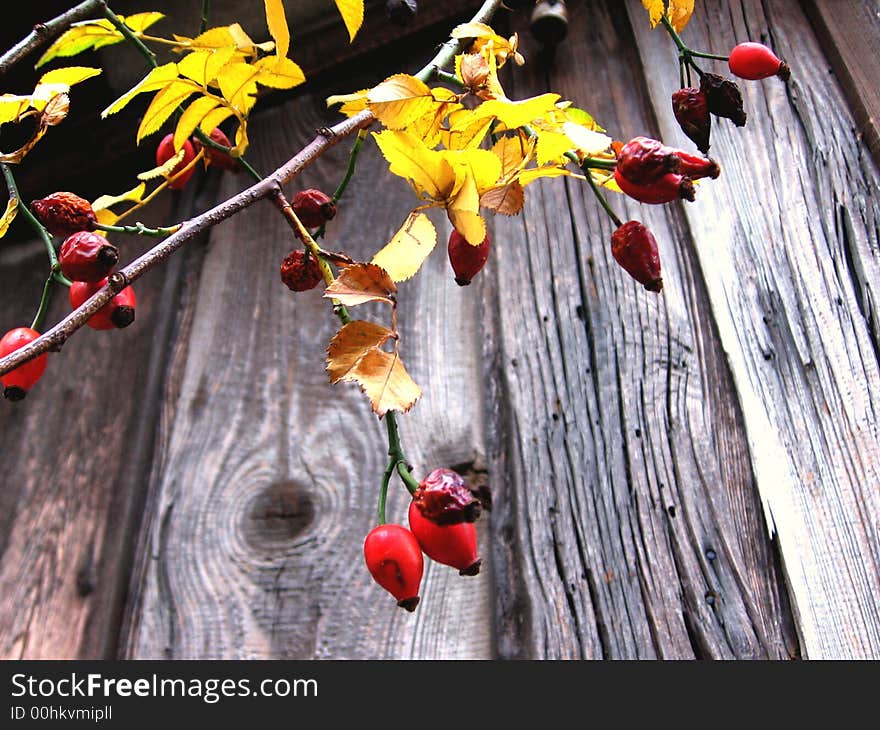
<point x="626" y="522"/>
<point x="75" y="453"/>
<point x="789" y="252"/>
<point x="267" y="476"/>
<point x="850" y="35"/>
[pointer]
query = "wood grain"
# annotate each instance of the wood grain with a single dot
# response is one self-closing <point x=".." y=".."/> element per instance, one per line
<point x="628" y="525"/>
<point x="789" y="253"/>
<point x="268" y="476"/>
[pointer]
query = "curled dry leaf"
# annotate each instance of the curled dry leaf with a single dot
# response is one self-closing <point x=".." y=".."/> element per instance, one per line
<point x="508" y="200"/>
<point x="360" y="283"/>
<point x="350" y="344"/>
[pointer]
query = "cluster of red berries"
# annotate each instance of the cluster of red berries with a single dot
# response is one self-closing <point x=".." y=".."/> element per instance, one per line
<point x="299" y="269"/>
<point x="441" y="517"/>
<point x="650" y="172"/>
<point x="165" y="151"/>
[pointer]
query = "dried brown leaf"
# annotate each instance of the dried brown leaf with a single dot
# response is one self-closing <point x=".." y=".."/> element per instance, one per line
<point x="360" y="283"/>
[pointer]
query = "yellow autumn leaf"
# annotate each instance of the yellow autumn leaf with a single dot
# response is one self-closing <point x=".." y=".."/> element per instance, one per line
<point x="586" y="141"/>
<point x="360" y="283"/>
<point x="515" y="114"/>
<point x="529" y="175"/>
<point x="677" y="11"/>
<point x="425" y="169"/>
<point x="513" y="152"/>
<point x="276" y="20"/>
<point x="163" y="105"/>
<point x="465" y="130"/>
<point x="352" y="12"/>
<point x="192" y="117"/>
<point x="399" y="100"/>
<point x="350" y="344"/>
<point x="81" y="37"/>
<point x="214" y="118"/>
<point x="351" y="103"/>
<point x="221" y="37"/>
<point x="203" y="66"/>
<point x="8" y="215"/>
<point x="507" y="200"/>
<point x="139" y="22"/>
<point x="385" y="381"/>
<point x="68" y="76"/>
<point x="165" y="169"/>
<point x="135" y="195"/>
<point x="106" y="217"/>
<point x="463" y="209"/>
<point x="12" y="107"/>
<point x="157" y="79"/>
<point x="405" y="253"/>
<point x="278" y="72"/>
<point x="238" y="85"/>
<point x="655" y="9"/>
<point x="551" y="146"/>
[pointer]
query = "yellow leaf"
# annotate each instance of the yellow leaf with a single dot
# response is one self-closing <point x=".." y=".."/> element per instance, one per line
<point x="679" y="13"/>
<point x="586" y="141"/>
<point x="8" y="216"/>
<point x="463" y="208"/>
<point x="579" y="116"/>
<point x="203" y="66"/>
<point x="277" y="22"/>
<point x="238" y="84"/>
<point x="516" y="113"/>
<point x="12" y="107"/>
<point x="139" y="22"/>
<point x="551" y="146"/>
<point x="158" y="78"/>
<point x="474" y="30"/>
<point x="192" y="117"/>
<point x="405" y="253"/>
<point x="655" y="9"/>
<point x="350" y="344"/>
<point x="352" y="12"/>
<point x="214" y="118"/>
<point x="351" y="103"/>
<point x="165" y="169"/>
<point x="279" y="72"/>
<point x="361" y="283"/>
<point x="222" y="37"/>
<point x="241" y="139"/>
<point x="466" y="130"/>
<point x="385" y="381"/>
<point x="81" y="37"/>
<point x="425" y="169"/>
<point x="69" y="76"/>
<point x="399" y="100"/>
<point x="136" y="194"/>
<point x="535" y="173"/>
<point x="507" y="200"/>
<point x="513" y="153"/>
<point x="484" y="166"/>
<point x="106" y="217"/>
<point x="163" y="105"/>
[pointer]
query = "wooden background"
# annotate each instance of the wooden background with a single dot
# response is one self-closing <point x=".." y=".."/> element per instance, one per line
<point x="690" y="475"/>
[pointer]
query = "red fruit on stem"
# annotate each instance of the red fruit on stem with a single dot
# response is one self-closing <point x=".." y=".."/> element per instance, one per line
<point x="467" y="260"/>
<point x="671" y="186"/>
<point x="64" y="213"/>
<point x="299" y="272"/>
<point x="697" y="166"/>
<point x="313" y="207"/>
<point x="443" y="498"/>
<point x="643" y="160"/>
<point x="86" y="256"/>
<point x="453" y="545"/>
<point x="165" y="151"/>
<point x="217" y="158"/>
<point x="754" y="61"/>
<point x="691" y="110"/>
<point x="635" y="249"/>
<point x="16" y="383"/>
<point x="395" y="561"/>
<point x="116" y="314"/>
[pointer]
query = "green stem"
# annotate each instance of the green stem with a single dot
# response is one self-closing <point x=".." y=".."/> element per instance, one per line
<point x="44" y="303"/>
<point x="713" y="56"/>
<point x="686" y="53"/>
<point x="206" y="11"/>
<point x="130" y="36"/>
<point x="349" y="172"/>
<point x="138" y="229"/>
<point x="602" y="200"/>
<point x="383" y="491"/>
<point x="395" y="452"/>
<point x="29" y="217"/>
<point x="447" y="77"/>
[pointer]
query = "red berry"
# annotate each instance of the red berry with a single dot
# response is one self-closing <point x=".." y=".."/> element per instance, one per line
<point x="453" y="545"/>
<point x="300" y="273"/>
<point x="697" y="166"/>
<point x="313" y="207"/>
<point x="64" y="213"/>
<point x="644" y="161"/>
<point x="395" y="561"/>
<point x="216" y="157"/>
<point x="467" y="260"/>
<point x="116" y="314"/>
<point x="755" y="61"/>
<point x="86" y="256"/>
<point x="635" y="249"/>
<point x="165" y="151"/>
<point x="691" y="110"/>
<point x="18" y="382"/>
<point x="671" y="186"/>
<point x="443" y="498"/>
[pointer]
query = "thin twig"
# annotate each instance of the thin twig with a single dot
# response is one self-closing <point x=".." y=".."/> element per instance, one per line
<point x="48" y="31"/>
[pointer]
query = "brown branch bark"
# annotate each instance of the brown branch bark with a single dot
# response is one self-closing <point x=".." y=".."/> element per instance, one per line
<point x="48" y="31"/>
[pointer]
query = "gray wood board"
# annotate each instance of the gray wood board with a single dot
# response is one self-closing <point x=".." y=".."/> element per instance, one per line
<point x="787" y="243"/>
<point x="266" y="477"/>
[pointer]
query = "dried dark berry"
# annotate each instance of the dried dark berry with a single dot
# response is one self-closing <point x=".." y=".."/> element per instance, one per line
<point x="64" y="213"/>
<point x="692" y="114"/>
<point x="313" y="207"/>
<point x="300" y="272"/>
<point x="444" y="498"/>
<point x="643" y="160"/>
<point x="723" y="98"/>
<point x="635" y="249"/>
